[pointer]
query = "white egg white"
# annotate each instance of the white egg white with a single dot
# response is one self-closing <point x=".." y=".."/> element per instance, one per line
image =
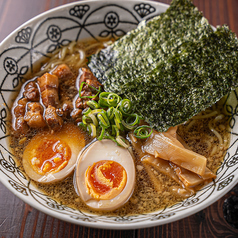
<point x="69" y="134"/>
<point x="105" y="150"/>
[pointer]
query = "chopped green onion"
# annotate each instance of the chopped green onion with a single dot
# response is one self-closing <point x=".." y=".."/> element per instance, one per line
<point x="93" y="104"/>
<point x="110" y="113"/>
<point x="108" y="136"/>
<point x="89" y="129"/>
<point x="94" y="119"/>
<point x="109" y="99"/>
<point x="110" y="117"/>
<point x="86" y="111"/>
<point x="103" y="119"/>
<point x="93" y="130"/>
<point x="125" y="106"/>
<point x="122" y="142"/>
<point x="118" y="115"/>
<point x="131" y="122"/>
<point x="117" y="124"/>
<point x="115" y="130"/>
<point x="96" y="111"/>
<point x="143" y="132"/>
<point x="86" y="119"/>
<point x="127" y="126"/>
<point x="93" y="96"/>
<point x="102" y="133"/>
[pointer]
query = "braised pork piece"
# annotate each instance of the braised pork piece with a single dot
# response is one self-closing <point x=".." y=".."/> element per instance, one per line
<point x="51" y="99"/>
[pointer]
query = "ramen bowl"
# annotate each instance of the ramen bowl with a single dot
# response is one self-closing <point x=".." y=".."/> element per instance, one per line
<point x="31" y="43"/>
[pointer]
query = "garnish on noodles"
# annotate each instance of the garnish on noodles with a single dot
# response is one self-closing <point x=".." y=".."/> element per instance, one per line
<point x="155" y="92"/>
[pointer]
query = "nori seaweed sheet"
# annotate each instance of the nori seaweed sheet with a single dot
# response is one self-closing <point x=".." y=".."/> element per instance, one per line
<point x="193" y="79"/>
<point x="172" y="67"/>
<point x="149" y="45"/>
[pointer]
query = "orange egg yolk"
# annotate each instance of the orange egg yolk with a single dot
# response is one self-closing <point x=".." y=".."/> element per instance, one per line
<point x="52" y="155"/>
<point x="105" y="179"/>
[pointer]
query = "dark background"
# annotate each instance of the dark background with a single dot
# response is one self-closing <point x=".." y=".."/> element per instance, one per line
<point x="18" y="219"/>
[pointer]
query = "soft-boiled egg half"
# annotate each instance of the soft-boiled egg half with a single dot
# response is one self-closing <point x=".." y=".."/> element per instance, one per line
<point x="51" y="157"/>
<point x="105" y="175"/>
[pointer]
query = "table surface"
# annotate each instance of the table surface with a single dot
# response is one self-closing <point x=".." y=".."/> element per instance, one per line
<point x="18" y="219"/>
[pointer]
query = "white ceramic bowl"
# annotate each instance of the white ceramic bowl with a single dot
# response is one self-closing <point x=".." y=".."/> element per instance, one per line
<point x="44" y="33"/>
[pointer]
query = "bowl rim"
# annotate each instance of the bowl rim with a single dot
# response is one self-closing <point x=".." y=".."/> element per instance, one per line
<point x="99" y="224"/>
<point x="58" y="8"/>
